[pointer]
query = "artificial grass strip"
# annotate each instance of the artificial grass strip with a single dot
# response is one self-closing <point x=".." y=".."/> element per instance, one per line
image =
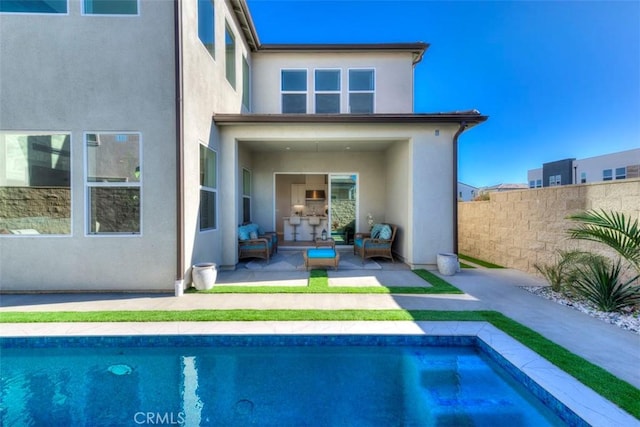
<point x="319" y="284"/>
<point x="602" y="382"/>
<point x="618" y="391"/>
<point x="465" y="265"/>
<point x="479" y="261"/>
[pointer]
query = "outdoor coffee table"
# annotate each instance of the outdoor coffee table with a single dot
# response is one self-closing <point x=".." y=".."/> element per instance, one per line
<point x="321" y="257"/>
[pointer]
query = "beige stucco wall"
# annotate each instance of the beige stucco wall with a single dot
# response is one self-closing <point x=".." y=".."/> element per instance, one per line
<point x="393" y="78"/>
<point x="76" y="74"/>
<point x="517" y="229"/>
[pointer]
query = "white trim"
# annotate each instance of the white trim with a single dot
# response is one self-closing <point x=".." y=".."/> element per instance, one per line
<point x="88" y="185"/>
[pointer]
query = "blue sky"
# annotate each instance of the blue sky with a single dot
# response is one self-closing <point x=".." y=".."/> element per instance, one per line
<point x="559" y="79"/>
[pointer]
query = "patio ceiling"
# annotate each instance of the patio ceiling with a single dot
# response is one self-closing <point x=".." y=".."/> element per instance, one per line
<point x="329" y="146"/>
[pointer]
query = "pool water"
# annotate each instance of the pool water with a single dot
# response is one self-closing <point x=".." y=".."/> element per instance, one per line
<point x="260" y="380"/>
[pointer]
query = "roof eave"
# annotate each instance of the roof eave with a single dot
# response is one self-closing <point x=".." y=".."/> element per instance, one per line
<point x="470" y="118"/>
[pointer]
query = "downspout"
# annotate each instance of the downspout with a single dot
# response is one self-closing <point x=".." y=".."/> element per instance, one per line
<point x="179" y="282"/>
<point x="463" y="126"/>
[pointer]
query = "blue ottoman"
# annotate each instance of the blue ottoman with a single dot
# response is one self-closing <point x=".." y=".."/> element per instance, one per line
<point x="323" y="257"/>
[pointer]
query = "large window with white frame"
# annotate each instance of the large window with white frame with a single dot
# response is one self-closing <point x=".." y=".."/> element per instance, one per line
<point x="607" y="174"/>
<point x="621" y="173"/>
<point x="208" y="188"/>
<point x="110" y="7"/>
<point x="327" y="91"/>
<point x="362" y="88"/>
<point x="294" y="91"/>
<point x="35" y="183"/>
<point x="246" y="195"/>
<point x="113" y="181"/>
<point x="206" y="25"/>
<point x="34" y="6"/>
<point x="230" y="55"/>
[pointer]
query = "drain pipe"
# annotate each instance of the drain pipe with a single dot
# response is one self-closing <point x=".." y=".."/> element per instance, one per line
<point x="179" y="282"/>
<point x="463" y="126"/>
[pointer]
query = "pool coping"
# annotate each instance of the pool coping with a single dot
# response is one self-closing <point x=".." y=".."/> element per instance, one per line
<point x="583" y="401"/>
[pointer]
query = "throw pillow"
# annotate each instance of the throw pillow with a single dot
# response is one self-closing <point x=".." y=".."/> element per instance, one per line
<point x="385" y="232"/>
<point x="243" y="233"/>
<point x="375" y="231"/>
<point x="253" y="235"/>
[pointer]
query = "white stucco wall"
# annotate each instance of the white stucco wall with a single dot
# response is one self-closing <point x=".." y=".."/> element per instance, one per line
<point x="206" y="92"/>
<point x="393" y="78"/>
<point x="79" y="73"/>
<point x="408" y="184"/>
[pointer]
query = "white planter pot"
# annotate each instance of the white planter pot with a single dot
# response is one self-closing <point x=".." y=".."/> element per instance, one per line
<point x="204" y="275"/>
<point x="448" y="264"/>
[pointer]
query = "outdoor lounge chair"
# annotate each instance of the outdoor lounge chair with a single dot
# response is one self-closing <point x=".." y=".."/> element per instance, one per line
<point x="378" y="243"/>
<point x="252" y="245"/>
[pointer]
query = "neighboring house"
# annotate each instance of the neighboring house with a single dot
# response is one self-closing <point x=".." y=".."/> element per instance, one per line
<point x="620" y="165"/>
<point x="466" y="192"/>
<point x="137" y="134"/>
<point x="499" y="188"/>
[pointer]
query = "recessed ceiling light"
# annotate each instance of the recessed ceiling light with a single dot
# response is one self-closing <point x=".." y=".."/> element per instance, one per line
<point x="287" y="148"/>
<point x="347" y="148"/>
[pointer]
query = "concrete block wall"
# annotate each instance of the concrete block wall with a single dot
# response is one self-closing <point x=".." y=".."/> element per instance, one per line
<point x="519" y="228"/>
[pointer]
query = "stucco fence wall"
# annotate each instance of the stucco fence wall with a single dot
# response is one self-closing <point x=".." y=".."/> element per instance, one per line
<point x="519" y="228"/>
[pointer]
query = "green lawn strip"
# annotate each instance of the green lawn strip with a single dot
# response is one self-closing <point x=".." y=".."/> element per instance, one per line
<point x="319" y="284"/>
<point x="464" y="265"/>
<point x="607" y="385"/>
<point x="479" y="261"/>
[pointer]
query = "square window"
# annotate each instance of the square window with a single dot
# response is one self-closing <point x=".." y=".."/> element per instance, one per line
<point x="35" y="183"/>
<point x="294" y="80"/>
<point x="294" y="103"/>
<point x="607" y="175"/>
<point x="327" y="80"/>
<point x="361" y="80"/>
<point x="110" y="7"/>
<point x="361" y="103"/>
<point x="113" y="182"/>
<point x="327" y="103"/>
<point x="621" y="173"/>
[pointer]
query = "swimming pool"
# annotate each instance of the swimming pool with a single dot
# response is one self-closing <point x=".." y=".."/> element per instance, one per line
<point x="268" y="380"/>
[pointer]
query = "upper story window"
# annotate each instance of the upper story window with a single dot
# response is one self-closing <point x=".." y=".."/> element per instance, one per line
<point x="34" y="6"/>
<point x="555" y="180"/>
<point x="583" y="177"/>
<point x="294" y="91"/>
<point x="361" y="91"/>
<point x="230" y="55"/>
<point x="35" y="183"/>
<point x="327" y="91"/>
<point x="110" y="7"/>
<point x="113" y="182"/>
<point x="206" y="25"/>
<point x="246" y="84"/>
<point x="532" y="183"/>
<point x="621" y="173"/>
<point x="607" y="175"/>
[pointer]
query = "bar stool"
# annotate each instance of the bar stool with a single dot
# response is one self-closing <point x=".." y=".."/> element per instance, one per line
<point x="314" y="221"/>
<point x="294" y="221"/>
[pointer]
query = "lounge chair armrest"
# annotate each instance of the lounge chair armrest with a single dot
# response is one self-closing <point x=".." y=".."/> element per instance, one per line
<point x="255" y="242"/>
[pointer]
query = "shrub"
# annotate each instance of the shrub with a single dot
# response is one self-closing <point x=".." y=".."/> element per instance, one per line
<point x="564" y="272"/>
<point x="600" y="282"/>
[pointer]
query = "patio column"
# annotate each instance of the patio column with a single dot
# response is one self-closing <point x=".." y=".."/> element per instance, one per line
<point x="228" y="188"/>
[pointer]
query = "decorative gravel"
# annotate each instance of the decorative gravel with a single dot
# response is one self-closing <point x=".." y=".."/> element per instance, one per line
<point x="628" y="319"/>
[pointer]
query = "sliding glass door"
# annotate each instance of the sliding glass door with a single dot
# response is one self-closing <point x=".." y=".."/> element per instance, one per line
<point x="343" y="206"/>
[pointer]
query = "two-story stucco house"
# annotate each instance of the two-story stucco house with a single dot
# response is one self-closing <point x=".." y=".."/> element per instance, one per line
<point x="136" y="135"/>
